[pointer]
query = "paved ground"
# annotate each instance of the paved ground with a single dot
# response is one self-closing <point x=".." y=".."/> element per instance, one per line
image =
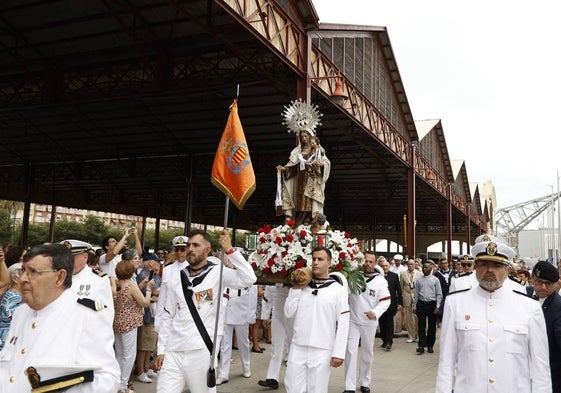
<point x="398" y="371"/>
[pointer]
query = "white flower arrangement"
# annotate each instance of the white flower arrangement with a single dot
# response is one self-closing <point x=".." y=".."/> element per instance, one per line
<point x="280" y="250"/>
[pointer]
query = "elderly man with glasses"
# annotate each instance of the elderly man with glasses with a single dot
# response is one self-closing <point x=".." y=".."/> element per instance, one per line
<point x="57" y="341"/>
<point x="493" y="339"/>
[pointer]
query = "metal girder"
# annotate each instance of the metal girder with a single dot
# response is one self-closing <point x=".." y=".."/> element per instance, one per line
<point x="512" y="219"/>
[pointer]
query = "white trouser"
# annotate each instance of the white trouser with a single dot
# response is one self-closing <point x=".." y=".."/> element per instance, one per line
<point x="185" y="368"/>
<point x="307" y="370"/>
<point x="125" y="353"/>
<point x="281" y="332"/>
<point x="242" y="340"/>
<point x="365" y="334"/>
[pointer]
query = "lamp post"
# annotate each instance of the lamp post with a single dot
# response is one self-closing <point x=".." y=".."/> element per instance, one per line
<point x="551" y="242"/>
<point x="558" y="222"/>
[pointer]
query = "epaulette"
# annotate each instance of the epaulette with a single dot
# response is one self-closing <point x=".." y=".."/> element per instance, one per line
<point x="523" y="294"/>
<point x="518" y="280"/>
<point x="464" y="274"/>
<point x="90" y="303"/>
<point x="458" y="291"/>
<point x="99" y="273"/>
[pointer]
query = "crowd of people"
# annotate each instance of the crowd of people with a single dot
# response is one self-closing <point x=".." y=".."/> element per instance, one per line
<point x="74" y="320"/>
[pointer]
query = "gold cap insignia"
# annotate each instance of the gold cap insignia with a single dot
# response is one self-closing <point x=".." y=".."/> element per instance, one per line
<point x="467" y="317"/>
<point x="67" y="244"/>
<point x="491" y="248"/>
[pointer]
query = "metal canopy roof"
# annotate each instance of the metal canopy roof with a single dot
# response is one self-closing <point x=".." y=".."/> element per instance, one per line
<point x="119" y="106"/>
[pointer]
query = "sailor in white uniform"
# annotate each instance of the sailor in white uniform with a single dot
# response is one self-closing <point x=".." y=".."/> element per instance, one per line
<point x="238" y="314"/>
<point x="493" y="339"/>
<point x="366" y="308"/>
<point x="183" y="356"/>
<point x="466" y="279"/>
<point x="321" y="327"/>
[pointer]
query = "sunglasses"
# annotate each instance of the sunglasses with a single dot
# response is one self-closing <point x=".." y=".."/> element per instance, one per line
<point x="467" y="264"/>
<point x="182" y="249"/>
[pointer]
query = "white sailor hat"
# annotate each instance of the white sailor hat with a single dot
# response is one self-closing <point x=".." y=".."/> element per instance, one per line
<point x="487" y="238"/>
<point x="399" y="257"/>
<point x="466" y="258"/>
<point x="180" y="241"/>
<point x="493" y="251"/>
<point x="76" y="246"/>
<point x="50" y="378"/>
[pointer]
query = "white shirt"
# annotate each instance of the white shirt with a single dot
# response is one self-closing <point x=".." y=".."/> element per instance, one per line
<point x="493" y="342"/>
<point x="176" y="329"/>
<point x="464" y="282"/>
<point x="109" y="267"/>
<point x="321" y="320"/>
<point x="64" y="332"/>
<point x="376" y="297"/>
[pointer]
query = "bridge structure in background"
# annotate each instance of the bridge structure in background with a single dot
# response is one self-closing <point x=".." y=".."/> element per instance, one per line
<point x="119" y="106"/>
<point x="511" y="220"/>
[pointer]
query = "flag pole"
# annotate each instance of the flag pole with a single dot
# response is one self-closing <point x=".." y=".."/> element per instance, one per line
<point x="211" y="376"/>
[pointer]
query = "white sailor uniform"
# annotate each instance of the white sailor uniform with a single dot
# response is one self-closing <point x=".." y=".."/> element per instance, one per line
<point x="493" y="342"/>
<point x="463" y="281"/>
<point x="281" y="328"/>
<point x="186" y="355"/>
<point x="321" y="328"/>
<point x="95" y="285"/>
<point x="376" y="297"/>
<point x="238" y="314"/>
<point x="63" y="333"/>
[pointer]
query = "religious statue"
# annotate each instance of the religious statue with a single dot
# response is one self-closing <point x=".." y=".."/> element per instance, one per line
<point x="305" y="174"/>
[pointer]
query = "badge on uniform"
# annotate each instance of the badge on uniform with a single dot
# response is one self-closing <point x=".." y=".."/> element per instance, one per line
<point x="467" y="317"/>
<point x="203" y="296"/>
<point x="372" y="292"/>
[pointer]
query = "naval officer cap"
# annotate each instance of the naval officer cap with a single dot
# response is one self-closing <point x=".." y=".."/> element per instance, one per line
<point x="398" y="257"/>
<point x="76" y="246"/>
<point x="466" y="258"/>
<point x="492" y="251"/>
<point x="545" y="271"/>
<point x="487" y="238"/>
<point x="55" y="378"/>
<point x="180" y="241"/>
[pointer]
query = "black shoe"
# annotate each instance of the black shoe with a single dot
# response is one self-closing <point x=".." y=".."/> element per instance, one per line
<point x="364" y="389"/>
<point x="384" y="345"/>
<point x="348" y="391"/>
<point x="269" y="383"/>
<point x="388" y="348"/>
<point x="430" y="350"/>
<point x="420" y="350"/>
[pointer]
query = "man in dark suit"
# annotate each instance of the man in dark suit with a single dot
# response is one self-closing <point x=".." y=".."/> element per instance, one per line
<point x="545" y="278"/>
<point x="386" y="320"/>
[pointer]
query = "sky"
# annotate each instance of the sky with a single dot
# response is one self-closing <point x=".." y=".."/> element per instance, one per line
<point x="490" y="70"/>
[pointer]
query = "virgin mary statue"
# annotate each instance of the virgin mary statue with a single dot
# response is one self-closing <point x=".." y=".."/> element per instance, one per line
<point x="305" y="174"/>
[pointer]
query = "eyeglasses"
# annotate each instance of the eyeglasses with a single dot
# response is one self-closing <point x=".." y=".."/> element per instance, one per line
<point x="539" y="283"/>
<point x="32" y="272"/>
<point x="182" y="249"/>
<point x="467" y="264"/>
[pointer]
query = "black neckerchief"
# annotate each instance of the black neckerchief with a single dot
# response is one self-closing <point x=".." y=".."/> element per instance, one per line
<point x="200" y="276"/>
<point x="325" y="284"/>
<point x="370" y="278"/>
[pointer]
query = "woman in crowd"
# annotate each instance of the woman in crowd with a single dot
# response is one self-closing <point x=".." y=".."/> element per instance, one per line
<point x="10" y="301"/>
<point x="129" y="310"/>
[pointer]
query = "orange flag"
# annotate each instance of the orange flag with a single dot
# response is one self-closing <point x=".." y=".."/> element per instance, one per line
<point x="232" y="171"/>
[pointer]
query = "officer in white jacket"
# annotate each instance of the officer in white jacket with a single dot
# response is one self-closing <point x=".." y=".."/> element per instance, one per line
<point x="493" y="339"/>
<point x="366" y="308"/>
<point x="56" y="339"/>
